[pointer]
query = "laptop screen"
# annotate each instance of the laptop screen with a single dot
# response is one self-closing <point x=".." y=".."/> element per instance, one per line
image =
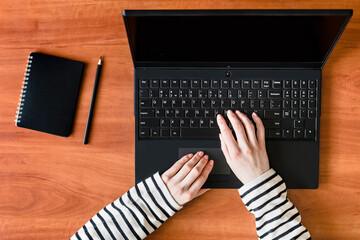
<point x="228" y="39"/>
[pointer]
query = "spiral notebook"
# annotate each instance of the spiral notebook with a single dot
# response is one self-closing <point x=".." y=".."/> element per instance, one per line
<point x="49" y="94"/>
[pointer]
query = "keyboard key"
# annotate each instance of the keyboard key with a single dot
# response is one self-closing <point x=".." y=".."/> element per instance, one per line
<point x="144" y="83"/>
<point x="213" y="123"/>
<point x="252" y="94"/>
<point x="144" y="93"/>
<point x="235" y="104"/>
<point x="286" y="104"/>
<point x="295" y="84"/>
<point x="175" y="133"/>
<point x="242" y="94"/>
<point x="169" y="113"/>
<point x="174" y="123"/>
<point x="232" y="94"/>
<point x="155" y="133"/>
<point x="205" y="83"/>
<point x="298" y="123"/>
<point x="203" y="93"/>
<point x="195" y="83"/>
<point x="149" y="122"/>
<point x="144" y="133"/>
<point x="193" y="93"/>
<point x="255" y="84"/>
<point x="147" y="113"/>
<point x="294" y="113"/>
<point x="165" y="83"/>
<point x="215" y="84"/>
<point x="245" y="84"/>
<point x="165" y="133"/>
<point x="274" y="133"/>
<point x="195" y="103"/>
<point x="185" y="123"/>
<point x="254" y="104"/>
<point x="166" y="103"/>
<point x="303" y="84"/>
<point x="163" y="93"/>
<point x="222" y="93"/>
<point x="274" y="94"/>
<point x="276" y="84"/>
<point x="199" y="133"/>
<point x="189" y="113"/>
<point x="311" y="94"/>
<point x="213" y="94"/>
<point x="156" y="103"/>
<point x="204" y="123"/>
<point x="155" y="83"/>
<point x="205" y="103"/>
<point x="287" y="133"/>
<point x="272" y="114"/>
<point x="303" y="94"/>
<point x="312" y="84"/>
<point x="199" y="113"/>
<point x="185" y="103"/>
<point x="209" y="113"/>
<point x="262" y="94"/>
<point x="173" y="93"/>
<point x="311" y="104"/>
<point x="176" y="103"/>
<point x="309" y="133"/>
<point x="179" y="113"/>
<point x="264" y="103"/>
<point x="194" y="123"/>
<point x="245" y="104"/>
<point x="265" y="84"/>
<point x="225" y="103"/>
<point x="175" y="83"/>
<point x="164" y="123"/>
<point x="303" y="114"/>
<point x="311" y="114"/>
<point x="303" y="104"/>
<point x="298" y="133"/>
<point x="259" y="112"/>
<point x="154" y="93"/>
<point x="215" y="103"/>
<point x="184" y="83"/>
<point x="295" y="103"/>
<point x="160" y="113"/>
<point x="286" y="113"/>
<point x="287" y="84"/>
<point x="225" y="84"/>
<point x="145" y="103"/>
<point x="287" y="94"/>
<point x="272" y="123"/>
<point x="275" y="104"/>
<point x="235" y="84"/>
<point x="295" y="93"/>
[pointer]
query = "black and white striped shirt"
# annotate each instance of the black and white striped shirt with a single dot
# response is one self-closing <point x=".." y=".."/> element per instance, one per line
<point x="147" y="205"/>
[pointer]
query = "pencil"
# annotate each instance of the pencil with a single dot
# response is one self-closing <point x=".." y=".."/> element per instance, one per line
<point x="92" y="103"/>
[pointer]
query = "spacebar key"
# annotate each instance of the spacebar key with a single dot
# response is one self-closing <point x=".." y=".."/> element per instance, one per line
<point x="199" y="133"/>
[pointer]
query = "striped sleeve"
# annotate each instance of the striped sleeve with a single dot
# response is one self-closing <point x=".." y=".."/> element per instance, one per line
<point x="134" y="215"/>
<point x="275" y="216"/>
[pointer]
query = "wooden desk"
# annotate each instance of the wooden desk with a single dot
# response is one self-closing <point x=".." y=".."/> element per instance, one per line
<point x="50" y="186"/>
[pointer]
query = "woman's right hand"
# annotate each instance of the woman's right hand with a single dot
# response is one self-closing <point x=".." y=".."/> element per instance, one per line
<point x="247" y="156"/>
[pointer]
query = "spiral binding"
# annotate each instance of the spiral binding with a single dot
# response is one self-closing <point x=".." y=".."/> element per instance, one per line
<point x="23" y="91"/>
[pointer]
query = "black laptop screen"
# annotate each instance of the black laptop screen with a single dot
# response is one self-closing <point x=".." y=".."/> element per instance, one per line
<point x="227" y="39"/>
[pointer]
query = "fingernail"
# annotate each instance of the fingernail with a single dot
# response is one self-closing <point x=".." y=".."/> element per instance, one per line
<point x="211" y="162"/>
<point x="201" y="153"/>
<point x="237" y="111"/>
<point x="190" y="155"/>
<point x="228" y="111"/>
<point x="206" y="157"/>
<point x="254" y="113"/>
<point x="218" y="116"/>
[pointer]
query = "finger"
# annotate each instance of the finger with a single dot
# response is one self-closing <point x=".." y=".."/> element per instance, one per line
<point x="195" y="172"/>
<point x="188" y="166"/>
<point x="202" y="191"/>
<point x="195" y="187"/>
<point x="250" y="129"/>
<point x="238" y="128"/>
<point x="227" y="135"/>
<point x="176" y="167"/>
<point x="224" y="148"/>
<point x="260" y="129"/>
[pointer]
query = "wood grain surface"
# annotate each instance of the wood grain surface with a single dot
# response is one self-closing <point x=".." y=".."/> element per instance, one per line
<point x="50" y="186"/>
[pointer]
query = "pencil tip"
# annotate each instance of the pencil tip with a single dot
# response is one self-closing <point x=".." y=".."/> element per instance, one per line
<point x="100" y="60"/>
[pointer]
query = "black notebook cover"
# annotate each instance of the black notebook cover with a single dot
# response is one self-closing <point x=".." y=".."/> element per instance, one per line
<point x="49" y="95"/>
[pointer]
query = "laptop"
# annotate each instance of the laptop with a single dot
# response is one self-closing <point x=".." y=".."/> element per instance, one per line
<point x="190" y="65"/>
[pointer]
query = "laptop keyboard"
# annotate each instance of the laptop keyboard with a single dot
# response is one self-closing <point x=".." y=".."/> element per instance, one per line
<point x="187" y="108"/>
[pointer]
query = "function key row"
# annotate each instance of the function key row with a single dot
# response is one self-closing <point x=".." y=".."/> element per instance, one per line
<point x="236" y="84"/>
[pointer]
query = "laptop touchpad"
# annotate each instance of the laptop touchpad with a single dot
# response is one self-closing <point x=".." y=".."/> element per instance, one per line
<point x="220" y="164"/>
